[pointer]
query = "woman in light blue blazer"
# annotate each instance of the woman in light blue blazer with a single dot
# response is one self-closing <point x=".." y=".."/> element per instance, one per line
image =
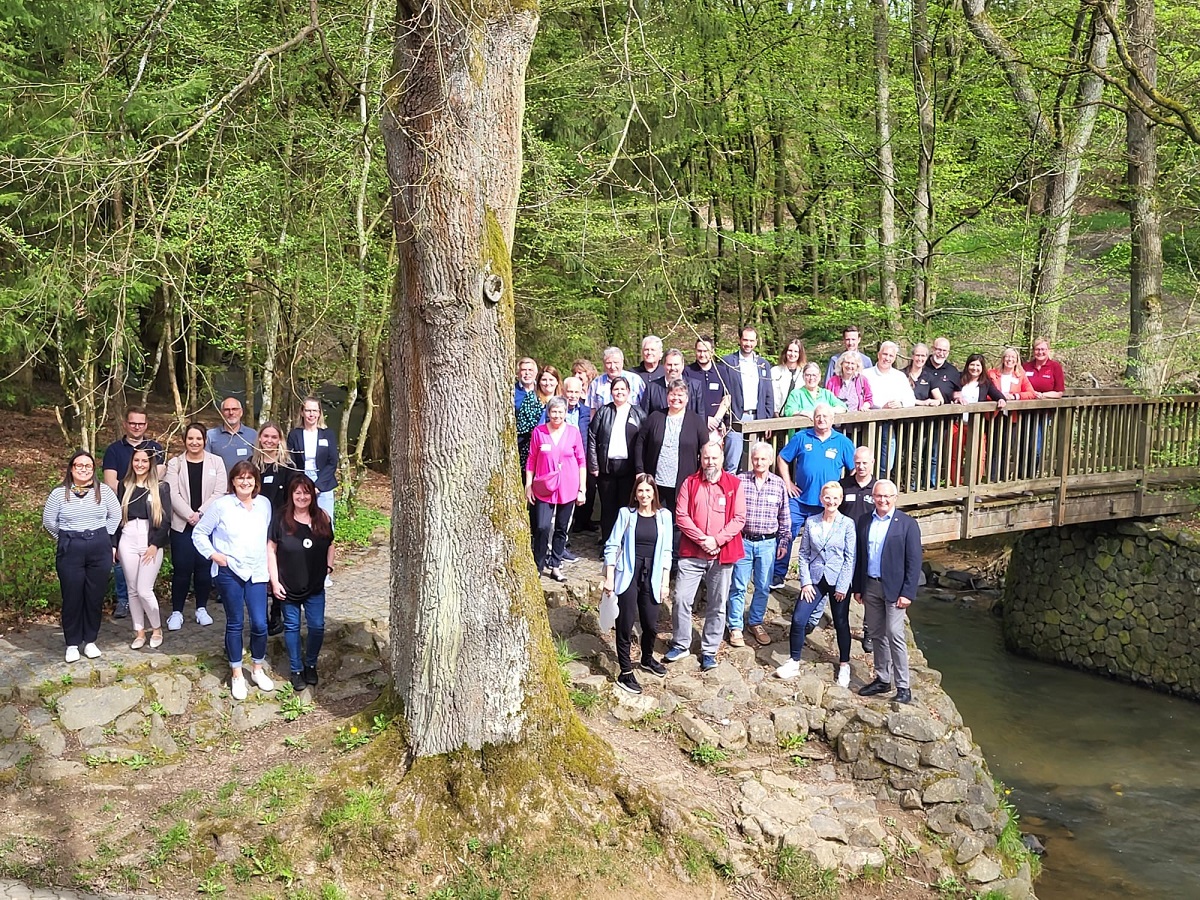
<point x="826" y="558"/>
<point x="637" y="568"/>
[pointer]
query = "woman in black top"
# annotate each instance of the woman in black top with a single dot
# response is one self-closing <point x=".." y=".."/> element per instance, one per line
<point x="145" y="526"/>
<point x="196" y="478"/>
<point x="299" y="557"/>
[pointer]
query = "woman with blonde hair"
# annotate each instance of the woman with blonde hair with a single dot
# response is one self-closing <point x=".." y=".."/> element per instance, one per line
<point x="314" y="451"/>
<point x="144" y="530"/>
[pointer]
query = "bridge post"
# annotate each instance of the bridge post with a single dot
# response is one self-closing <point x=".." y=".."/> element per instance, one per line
<point x="1065" y="429"/>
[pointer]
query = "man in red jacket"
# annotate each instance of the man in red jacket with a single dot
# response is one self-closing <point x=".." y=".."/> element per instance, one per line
<point x="710" y="510"/>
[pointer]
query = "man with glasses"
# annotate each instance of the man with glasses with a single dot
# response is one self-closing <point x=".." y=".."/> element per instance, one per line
<point x="117" y="457"/>
<point x="233" y="441"/>
<point x="946" y="380"/>
<point x="887" y="570"/>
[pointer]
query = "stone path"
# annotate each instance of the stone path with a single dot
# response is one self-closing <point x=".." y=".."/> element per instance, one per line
<point x="15" y="890"/>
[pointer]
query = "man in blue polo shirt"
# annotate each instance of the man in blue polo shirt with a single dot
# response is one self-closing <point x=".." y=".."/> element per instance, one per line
<point x="811" y="458"/>
<point x="233" y="441"/>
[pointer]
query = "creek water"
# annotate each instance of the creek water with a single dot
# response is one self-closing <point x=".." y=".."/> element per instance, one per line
<point x="1106" y="774"/>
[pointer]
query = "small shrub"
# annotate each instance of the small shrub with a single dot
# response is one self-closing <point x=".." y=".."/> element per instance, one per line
<point x="354" y="526"/>
<point x="705" y="754"/>
<point x="28" y="580"/>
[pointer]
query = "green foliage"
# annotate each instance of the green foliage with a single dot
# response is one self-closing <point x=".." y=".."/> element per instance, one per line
<point x="355" y="526"/>
<point x="705" y="754"/>
<point x="355" y="818"/>
<point x="1009" y="845"/>
<point x="28" y="580"/>
<point x="798" y="873"/>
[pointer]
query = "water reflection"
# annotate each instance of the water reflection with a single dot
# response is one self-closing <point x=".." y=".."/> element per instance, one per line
<point x="1108" y="774"/>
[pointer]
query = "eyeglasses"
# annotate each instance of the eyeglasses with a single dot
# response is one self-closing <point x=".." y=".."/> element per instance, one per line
<point x="231" y="409"/>
<point x="135" y="424"/>
<point x="83" y="466"/>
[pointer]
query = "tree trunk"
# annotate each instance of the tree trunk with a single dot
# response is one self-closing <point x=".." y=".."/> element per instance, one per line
<point x="922" y="263"/>
<point x="1146" y="366"/>
<point x="471" y="654"/>
<point x="889" y="297"/>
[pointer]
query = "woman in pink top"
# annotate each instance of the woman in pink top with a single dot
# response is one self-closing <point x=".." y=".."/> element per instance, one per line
<point x="1010" y="379"/>
<point x="555" y="475"/>
<point x="849" y="385"/>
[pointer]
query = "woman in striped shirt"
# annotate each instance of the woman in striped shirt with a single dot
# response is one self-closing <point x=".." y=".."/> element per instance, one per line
<point x="82" y="515"/>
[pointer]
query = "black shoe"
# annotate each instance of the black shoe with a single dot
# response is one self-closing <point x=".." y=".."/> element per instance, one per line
<point x="654" y="667"/>
<point x="298" y="682"/>
<point x="310" y="675"/>
<point x="875" y="687"/>
<point x="868" y="645"/>
<point x="568" y="556"/>
<point x="903" y="695"/>
<point x="809" y="629"/>
<point x="275" y="626"/>
<point x="627" y="682"/>
<point x="122" y="611"/>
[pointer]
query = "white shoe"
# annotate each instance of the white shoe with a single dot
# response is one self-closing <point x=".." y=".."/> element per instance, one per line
<point x="174" y="621"/>
<point x="72" y="654"/>
<point x="259" y="677"/>
<point x="203" y="617"/>
<point x="328" y="582"/>
<point x="155" y="639"/>
<point x="91" y="651"/>
<point x="789" y="669"/>
<point x="237" y="687"/>
<point x="843" y="678"/>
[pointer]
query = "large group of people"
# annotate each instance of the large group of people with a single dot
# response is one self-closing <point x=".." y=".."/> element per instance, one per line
<point x="244" y="511"/>
<point x="658" y="446"/>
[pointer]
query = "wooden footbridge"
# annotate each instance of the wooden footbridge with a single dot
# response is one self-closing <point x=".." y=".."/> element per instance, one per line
<point x="968" y="471"/>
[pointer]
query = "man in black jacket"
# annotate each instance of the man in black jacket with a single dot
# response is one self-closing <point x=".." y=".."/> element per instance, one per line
<point x="668" y="444"/>
<point x="887" y="570"/>
<point x="720" y="388"/>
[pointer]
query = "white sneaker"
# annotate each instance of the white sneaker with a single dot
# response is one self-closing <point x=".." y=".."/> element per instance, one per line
<point x="259" y="677"/>
<point x="72" y="654"/>
<point x="237" y="687"/>
<point x="843" y="678"/>
<point x="203" y="617"/>
<point x="91" y="651"/>
<point x="789" y="669"/>
<point x="174" y="621"/>
<point x="328" y="582"/>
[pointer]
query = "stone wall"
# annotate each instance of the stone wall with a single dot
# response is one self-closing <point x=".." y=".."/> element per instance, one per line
<point x="1117" y="599"/>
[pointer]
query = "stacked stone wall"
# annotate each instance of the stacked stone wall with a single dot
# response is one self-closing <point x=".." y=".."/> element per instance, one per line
<point x="1116" y="599"/>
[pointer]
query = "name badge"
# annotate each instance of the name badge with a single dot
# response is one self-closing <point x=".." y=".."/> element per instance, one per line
<point x="546" y="448"/>
<point x="850" y="498"/>
<point x="714" y="387"/>
<point x="831" y="453"/>
<point x="323" y="442"/>
<point x="721" y="501"/>
<point x="268" y="479"/>
<point x="242" y="451"/>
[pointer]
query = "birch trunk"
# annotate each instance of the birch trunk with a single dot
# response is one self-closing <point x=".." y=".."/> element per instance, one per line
<point x="922" y="262"/>
<point x="471" y="655"/>
<point x="889" y="296"/>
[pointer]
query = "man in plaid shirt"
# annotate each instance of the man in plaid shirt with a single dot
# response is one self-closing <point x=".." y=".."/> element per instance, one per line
<point x="766" y="537"/>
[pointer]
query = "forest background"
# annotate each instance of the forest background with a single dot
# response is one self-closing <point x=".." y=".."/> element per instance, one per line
<point x="193" y="197"/>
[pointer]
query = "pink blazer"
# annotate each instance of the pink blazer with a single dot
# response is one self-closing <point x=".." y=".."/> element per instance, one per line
<point x="555" y="468"/>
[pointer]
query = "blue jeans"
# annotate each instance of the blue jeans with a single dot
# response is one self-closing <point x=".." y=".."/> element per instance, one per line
<point x="314" y="615"/>
<point x="799" y="512"/>
<point x="733" y="450"/>
<point x="758" y="561"/>
<point x="120" y="587"/>
<point x="807" y="611"/>
<point x="238" y="596"/>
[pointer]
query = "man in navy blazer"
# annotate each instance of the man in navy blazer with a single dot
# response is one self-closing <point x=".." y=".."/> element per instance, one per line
<point x="758" y="396"/>
<point x="887" y="570"/>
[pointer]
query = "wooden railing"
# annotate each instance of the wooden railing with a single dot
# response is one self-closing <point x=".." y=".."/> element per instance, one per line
<point x="971" y="470"/>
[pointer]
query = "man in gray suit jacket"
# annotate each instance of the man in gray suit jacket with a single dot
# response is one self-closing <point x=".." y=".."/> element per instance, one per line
<point x="887" y="571"/>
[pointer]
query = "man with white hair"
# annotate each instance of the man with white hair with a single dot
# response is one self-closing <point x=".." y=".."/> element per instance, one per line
<point x="766" y="538"/>
<point x="887" y="570"/>
<point x="600" y="390"/>
<point x="650" y="368"/>
<point x="812" y="457"/>
<point x="710" y="511"/>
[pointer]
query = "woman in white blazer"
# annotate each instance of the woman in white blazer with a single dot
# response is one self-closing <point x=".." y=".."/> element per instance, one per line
<point x="637" y="568"/>
<point x="196" y="478"/>
<point x="826" y="559"/>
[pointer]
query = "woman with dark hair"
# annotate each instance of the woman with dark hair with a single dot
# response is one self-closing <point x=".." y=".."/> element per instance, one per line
<point x="314" y="452"/>
<point x="787" y="376"/>
<point x="976" y="388"/>
<point x="233" y="535"/>
<point x="637" y="568"/>
<point x="82" y="515"/>
<point x="554" y="484"/>
<point x="145" y="524"/>
<point x="533" y="407"/>
<point x="275" y="464"/>
<point x="611" y="433"/>
<point x="196" y="478"/>
<point x="299" y="558"/>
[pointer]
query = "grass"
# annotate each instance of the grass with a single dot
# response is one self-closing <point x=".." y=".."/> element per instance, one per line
<point x="1009" y="845"/>
<point x="583" y="701"/>
<point x="800" y="875"/>
<point x="361" y="812"/>
<point x="278" y="790"/>
<point x="170" y="843"/>
<point x="705" y="754"/>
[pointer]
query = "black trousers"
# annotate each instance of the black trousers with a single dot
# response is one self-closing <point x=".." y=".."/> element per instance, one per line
<point x="634" y="603"/>
<point x="583" y="515"/>
<point x="614" y="489"/>
<point x="83" y="561"/>
<point x="550" y="522"/>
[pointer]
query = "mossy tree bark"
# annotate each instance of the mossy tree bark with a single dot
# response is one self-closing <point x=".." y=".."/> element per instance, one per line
<point x="472" y="660"/>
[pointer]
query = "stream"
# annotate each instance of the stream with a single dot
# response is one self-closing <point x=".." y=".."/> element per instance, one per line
<point x="1106" y="774"/>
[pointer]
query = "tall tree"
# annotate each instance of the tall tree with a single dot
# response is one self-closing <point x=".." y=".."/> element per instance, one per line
<point x="471" y="655"/>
